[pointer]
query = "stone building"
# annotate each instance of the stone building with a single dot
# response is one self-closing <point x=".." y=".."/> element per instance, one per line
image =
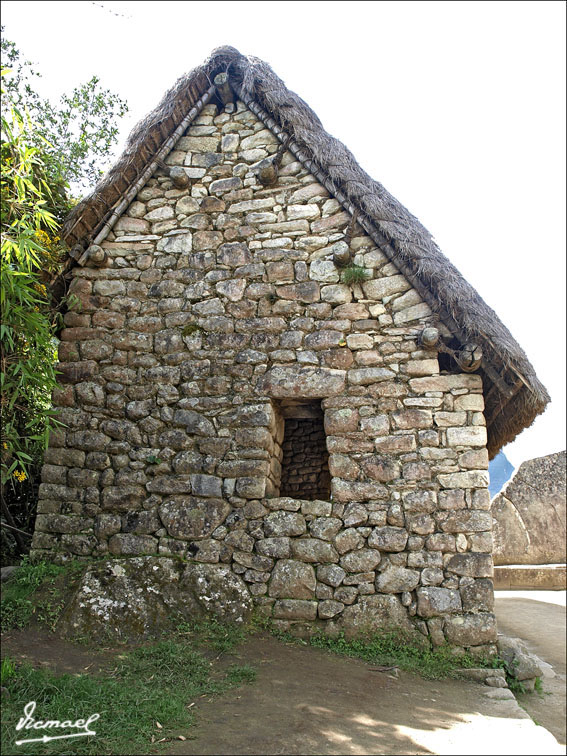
<point x="271" y="366"/>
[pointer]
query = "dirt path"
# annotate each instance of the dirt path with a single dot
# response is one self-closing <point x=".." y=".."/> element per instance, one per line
<point x="538" y="618"/>
<point x="306" y="701"/>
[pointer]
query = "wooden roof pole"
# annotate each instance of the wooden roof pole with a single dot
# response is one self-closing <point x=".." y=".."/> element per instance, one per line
<point x="147" y="173"/>
<point x="380" y="239"/>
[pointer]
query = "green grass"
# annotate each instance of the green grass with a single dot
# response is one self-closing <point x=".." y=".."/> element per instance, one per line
<point x="396" y="650"/>
<point x="145" y="697"/>
<point x="354" y="274"/>
<point x="213" y="634"/>
<point x="35" y="593"/>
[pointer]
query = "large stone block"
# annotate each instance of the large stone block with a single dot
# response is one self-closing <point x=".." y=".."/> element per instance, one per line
<point x="385" y="287"/>
<point x="294" y="609"/>
<point x="344" y="491"/>
<point x="313" y="550"/>
<point x="465" y="521"/>
<point x="396" y="580"/>
<point x="374" y="614"/>
<point x="362" y="560"/>
<point x="292" y="579"/>
<point x="470" y="479"/>
<point x="369" y="375"/>
<point x="388" y="539"/>
<point x="471" y="565"/>
<point x="129" y="543"/>
<point x="278" y="524"/>
<point x="478" y="596"/>
<point x="469" y="436"/>
<point x="529" y="514"/>
<point x="471" y="629"/>
<point x="433" y="602"/>
<point x="307" y="382"/>
<point x="191" y="518"/>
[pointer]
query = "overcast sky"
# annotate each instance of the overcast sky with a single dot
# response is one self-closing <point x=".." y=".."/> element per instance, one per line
<point x="458" y="108"/>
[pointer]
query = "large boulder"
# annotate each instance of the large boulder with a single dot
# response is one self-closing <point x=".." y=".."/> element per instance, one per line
<point x="121" y="599"/>
<point x="529" y="514"/>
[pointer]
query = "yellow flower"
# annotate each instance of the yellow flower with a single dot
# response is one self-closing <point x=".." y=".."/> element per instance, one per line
<point x="20" y="475"/>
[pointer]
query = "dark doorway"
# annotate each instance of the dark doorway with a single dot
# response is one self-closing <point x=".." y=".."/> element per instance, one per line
<point x="305" y="462"/>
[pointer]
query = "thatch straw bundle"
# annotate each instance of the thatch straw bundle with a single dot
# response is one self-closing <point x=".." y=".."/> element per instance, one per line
<point x="513" y="394"/>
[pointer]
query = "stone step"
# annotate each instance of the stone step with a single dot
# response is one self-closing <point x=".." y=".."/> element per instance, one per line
<point x="541" y="577"/>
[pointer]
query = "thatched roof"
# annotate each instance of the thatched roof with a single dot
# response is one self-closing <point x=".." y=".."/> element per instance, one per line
<point x="513" y="394"/>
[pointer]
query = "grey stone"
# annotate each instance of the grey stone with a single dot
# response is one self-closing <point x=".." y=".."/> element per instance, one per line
<point x="362" y="560"/>
<point x="292" y="579"/>
<point x="295" y="609"/>
<point x="529" y="514"/>
<point x="278" y="524"/>
<point x="348" y="540"/>
<point x="471" y="565"/>
<point x="192" y="518"/>
<point x="478" y="596"/>
<point x="290" y="382"/>
<point x="325" y="528"/>
<point x="331" y="574"/>
<point x="374" y="614"/>
<point x="396" y="580"/>
<point x="388" y="539"/>
<point x="355" y="514"/>
<point x="471" y="629"/>
<point x="7" y="573"/>
<point x="129" y="599"/>
<point x="346" y="594"/>
<point x="520" y="663"/>
<point x="330" y="608"/>
<point x="432" y="601"/>
<point x="278" y="548"/>
<point x="313" y="550"/>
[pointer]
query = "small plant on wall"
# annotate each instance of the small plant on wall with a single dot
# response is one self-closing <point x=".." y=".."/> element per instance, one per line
<point x="354" y="274"/>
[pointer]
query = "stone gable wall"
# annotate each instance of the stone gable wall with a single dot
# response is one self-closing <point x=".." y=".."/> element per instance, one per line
<point x="219" y="305"/>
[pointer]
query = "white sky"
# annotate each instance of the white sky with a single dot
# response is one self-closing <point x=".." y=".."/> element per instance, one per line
<point x="458" y="108"/>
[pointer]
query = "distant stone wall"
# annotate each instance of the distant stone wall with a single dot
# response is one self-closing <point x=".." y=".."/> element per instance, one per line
<point x="530" y="514"/>
<point x="218" y="305"/>
<point x="305" y="460"/>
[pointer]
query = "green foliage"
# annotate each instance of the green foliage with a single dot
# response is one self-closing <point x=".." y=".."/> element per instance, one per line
<point x="241" y="673"/>
<point x="27" y="349"/>
<point x="213" y="634"/>
<point x="44" y="148"/>
<point x="393" y="649"/>
<point x="81" y="126"/>
<point x="7" y="670"/>
<point x="190" y="329"/>
<point x="147" y="696"/>
<point x="33" y="593"/>
<point x="354" y="274"/>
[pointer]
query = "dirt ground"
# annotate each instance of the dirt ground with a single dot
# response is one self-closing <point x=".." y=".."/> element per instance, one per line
<point x="538" y="618"/>
<point x="306" y="701"/>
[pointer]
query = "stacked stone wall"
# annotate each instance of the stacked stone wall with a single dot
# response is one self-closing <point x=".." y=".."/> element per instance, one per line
<point x="305" y="463"/>
<point x="216" y="303"/>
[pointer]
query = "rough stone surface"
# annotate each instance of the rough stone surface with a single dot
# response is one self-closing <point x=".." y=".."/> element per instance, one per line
<point x="292" y="579"/>
<point x="520" y="663"/>
<point x="226" y="397"/>
<point x="376" y="613"/>
<point x="529" y="514"/>
<point x="125" y="599"/>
